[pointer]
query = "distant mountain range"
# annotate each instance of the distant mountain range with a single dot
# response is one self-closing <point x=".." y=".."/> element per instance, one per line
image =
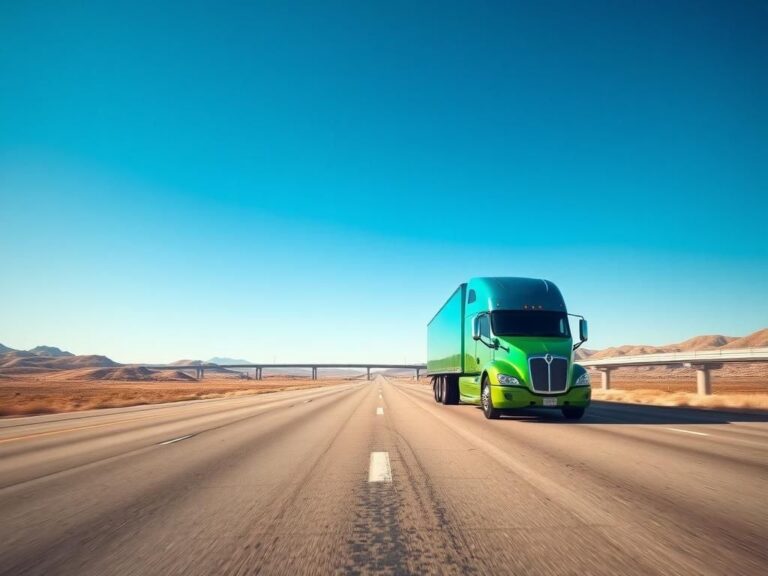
<point x="223" y="361"/>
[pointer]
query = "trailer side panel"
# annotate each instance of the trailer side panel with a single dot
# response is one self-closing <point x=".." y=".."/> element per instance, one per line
<point x="445" y="336"/>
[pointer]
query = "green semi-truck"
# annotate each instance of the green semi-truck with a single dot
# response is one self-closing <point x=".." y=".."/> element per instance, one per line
<point x="506" y="344"/>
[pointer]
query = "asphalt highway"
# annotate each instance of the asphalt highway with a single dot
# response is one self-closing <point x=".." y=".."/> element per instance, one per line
<point x="375" y="478"/>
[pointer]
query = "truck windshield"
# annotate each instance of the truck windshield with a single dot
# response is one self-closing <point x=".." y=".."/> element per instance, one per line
<point x="530" y="323"/>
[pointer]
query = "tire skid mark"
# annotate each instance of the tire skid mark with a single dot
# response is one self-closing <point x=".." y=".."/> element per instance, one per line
<point x="430" y="505"/>
<point x="377" y="544"/>
<point x="398" y="529"/>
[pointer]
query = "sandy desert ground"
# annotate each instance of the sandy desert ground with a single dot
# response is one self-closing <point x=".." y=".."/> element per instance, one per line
<point x="734" y="386"/>
<point x="21" y="396"/>
<point x="656" y="397"/>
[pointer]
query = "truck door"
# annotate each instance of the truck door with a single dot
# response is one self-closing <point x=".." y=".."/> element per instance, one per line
<point x="483" y="353"/>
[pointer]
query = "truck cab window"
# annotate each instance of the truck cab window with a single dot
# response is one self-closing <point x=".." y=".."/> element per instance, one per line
<point x="471" y="297"/>
<point x="533" y="323"/>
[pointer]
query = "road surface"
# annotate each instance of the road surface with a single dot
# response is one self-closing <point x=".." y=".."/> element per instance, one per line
<point x="374" y="477"/>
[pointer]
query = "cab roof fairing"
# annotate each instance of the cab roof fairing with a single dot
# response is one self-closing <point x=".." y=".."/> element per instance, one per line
<point x="510" y="293"/>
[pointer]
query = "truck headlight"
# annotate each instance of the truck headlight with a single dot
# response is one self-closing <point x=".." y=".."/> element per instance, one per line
<point x="505" y="380"/>
<point x="582" y="380"/>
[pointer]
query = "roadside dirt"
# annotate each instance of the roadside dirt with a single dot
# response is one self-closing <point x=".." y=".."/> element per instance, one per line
<point x="27" y="396"/>
<point x="755" y="401"/>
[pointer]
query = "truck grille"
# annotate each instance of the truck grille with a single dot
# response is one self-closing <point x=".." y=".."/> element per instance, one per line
<point x="548" y="377"/>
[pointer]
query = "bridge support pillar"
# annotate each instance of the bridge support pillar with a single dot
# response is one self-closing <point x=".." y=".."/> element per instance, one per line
<point x="202" y="373"/>
<point x="418" y="372"/>
<point x="368" y="373"/>
<point x="259" y="374"/>
<point x="314" y="373"/>
<point x="606" y="378"/>
<point x="703" y="377"/>
<point x="703" y="381"/>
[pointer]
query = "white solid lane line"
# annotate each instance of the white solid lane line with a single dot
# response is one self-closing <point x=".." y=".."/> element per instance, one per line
<point x="379" y="411"/>
<point x="687" y="431"/>
<point x="379" y="469"/>
<point x="176" y="440"/>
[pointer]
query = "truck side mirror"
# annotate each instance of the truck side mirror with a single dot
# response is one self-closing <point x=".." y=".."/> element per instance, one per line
<point x="583" y="330"/>
<point x="476" y="328"/>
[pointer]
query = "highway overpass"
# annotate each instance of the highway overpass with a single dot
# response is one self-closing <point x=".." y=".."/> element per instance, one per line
<point x="259" y="368"/>
<point x="702" y="360"/>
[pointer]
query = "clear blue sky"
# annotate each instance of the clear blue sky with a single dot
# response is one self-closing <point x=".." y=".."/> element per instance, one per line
<point x="309" y="181"/>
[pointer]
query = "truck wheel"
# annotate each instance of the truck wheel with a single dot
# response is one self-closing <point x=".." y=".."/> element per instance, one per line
<point x="438" y="387"/>
<point x="487" y="402"/>
<point x="573" y="413"/>
<point x="450" y="390"/>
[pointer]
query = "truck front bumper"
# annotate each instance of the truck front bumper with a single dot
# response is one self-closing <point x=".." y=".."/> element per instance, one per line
<point x="510" y="397"/>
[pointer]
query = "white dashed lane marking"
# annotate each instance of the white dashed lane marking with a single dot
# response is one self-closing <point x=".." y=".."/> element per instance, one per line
<point x="687" y="431"/>
<point x="176" y="440"/>
<point x="379" y="411"/>
<point x="379" y="469"/>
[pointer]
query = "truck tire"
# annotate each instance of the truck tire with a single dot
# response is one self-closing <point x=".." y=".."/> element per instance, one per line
<point x="487" y="402"/>
<point x="437" y="388"/>
<point x="573" y="413"/>
<point x="450" y="389"/>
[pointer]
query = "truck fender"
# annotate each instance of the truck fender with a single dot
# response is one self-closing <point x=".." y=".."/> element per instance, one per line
<point x="496" y="367"/>
<point x="578" y="370"/>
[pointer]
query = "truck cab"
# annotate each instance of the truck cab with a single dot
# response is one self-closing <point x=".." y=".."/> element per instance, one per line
<point x="504" y="344"/>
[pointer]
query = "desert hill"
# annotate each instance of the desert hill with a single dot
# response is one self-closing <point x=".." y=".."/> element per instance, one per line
<point x="27" y="362"/>
<point x="757" y="339"/>
<point x="120" y="373"/>
<point x="706" y="342"/>
<point x="52" y="351"/>
<point x="582" y="353"/>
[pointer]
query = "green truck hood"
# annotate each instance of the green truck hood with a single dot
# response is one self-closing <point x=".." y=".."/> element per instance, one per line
<point x="521" y="348"/>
